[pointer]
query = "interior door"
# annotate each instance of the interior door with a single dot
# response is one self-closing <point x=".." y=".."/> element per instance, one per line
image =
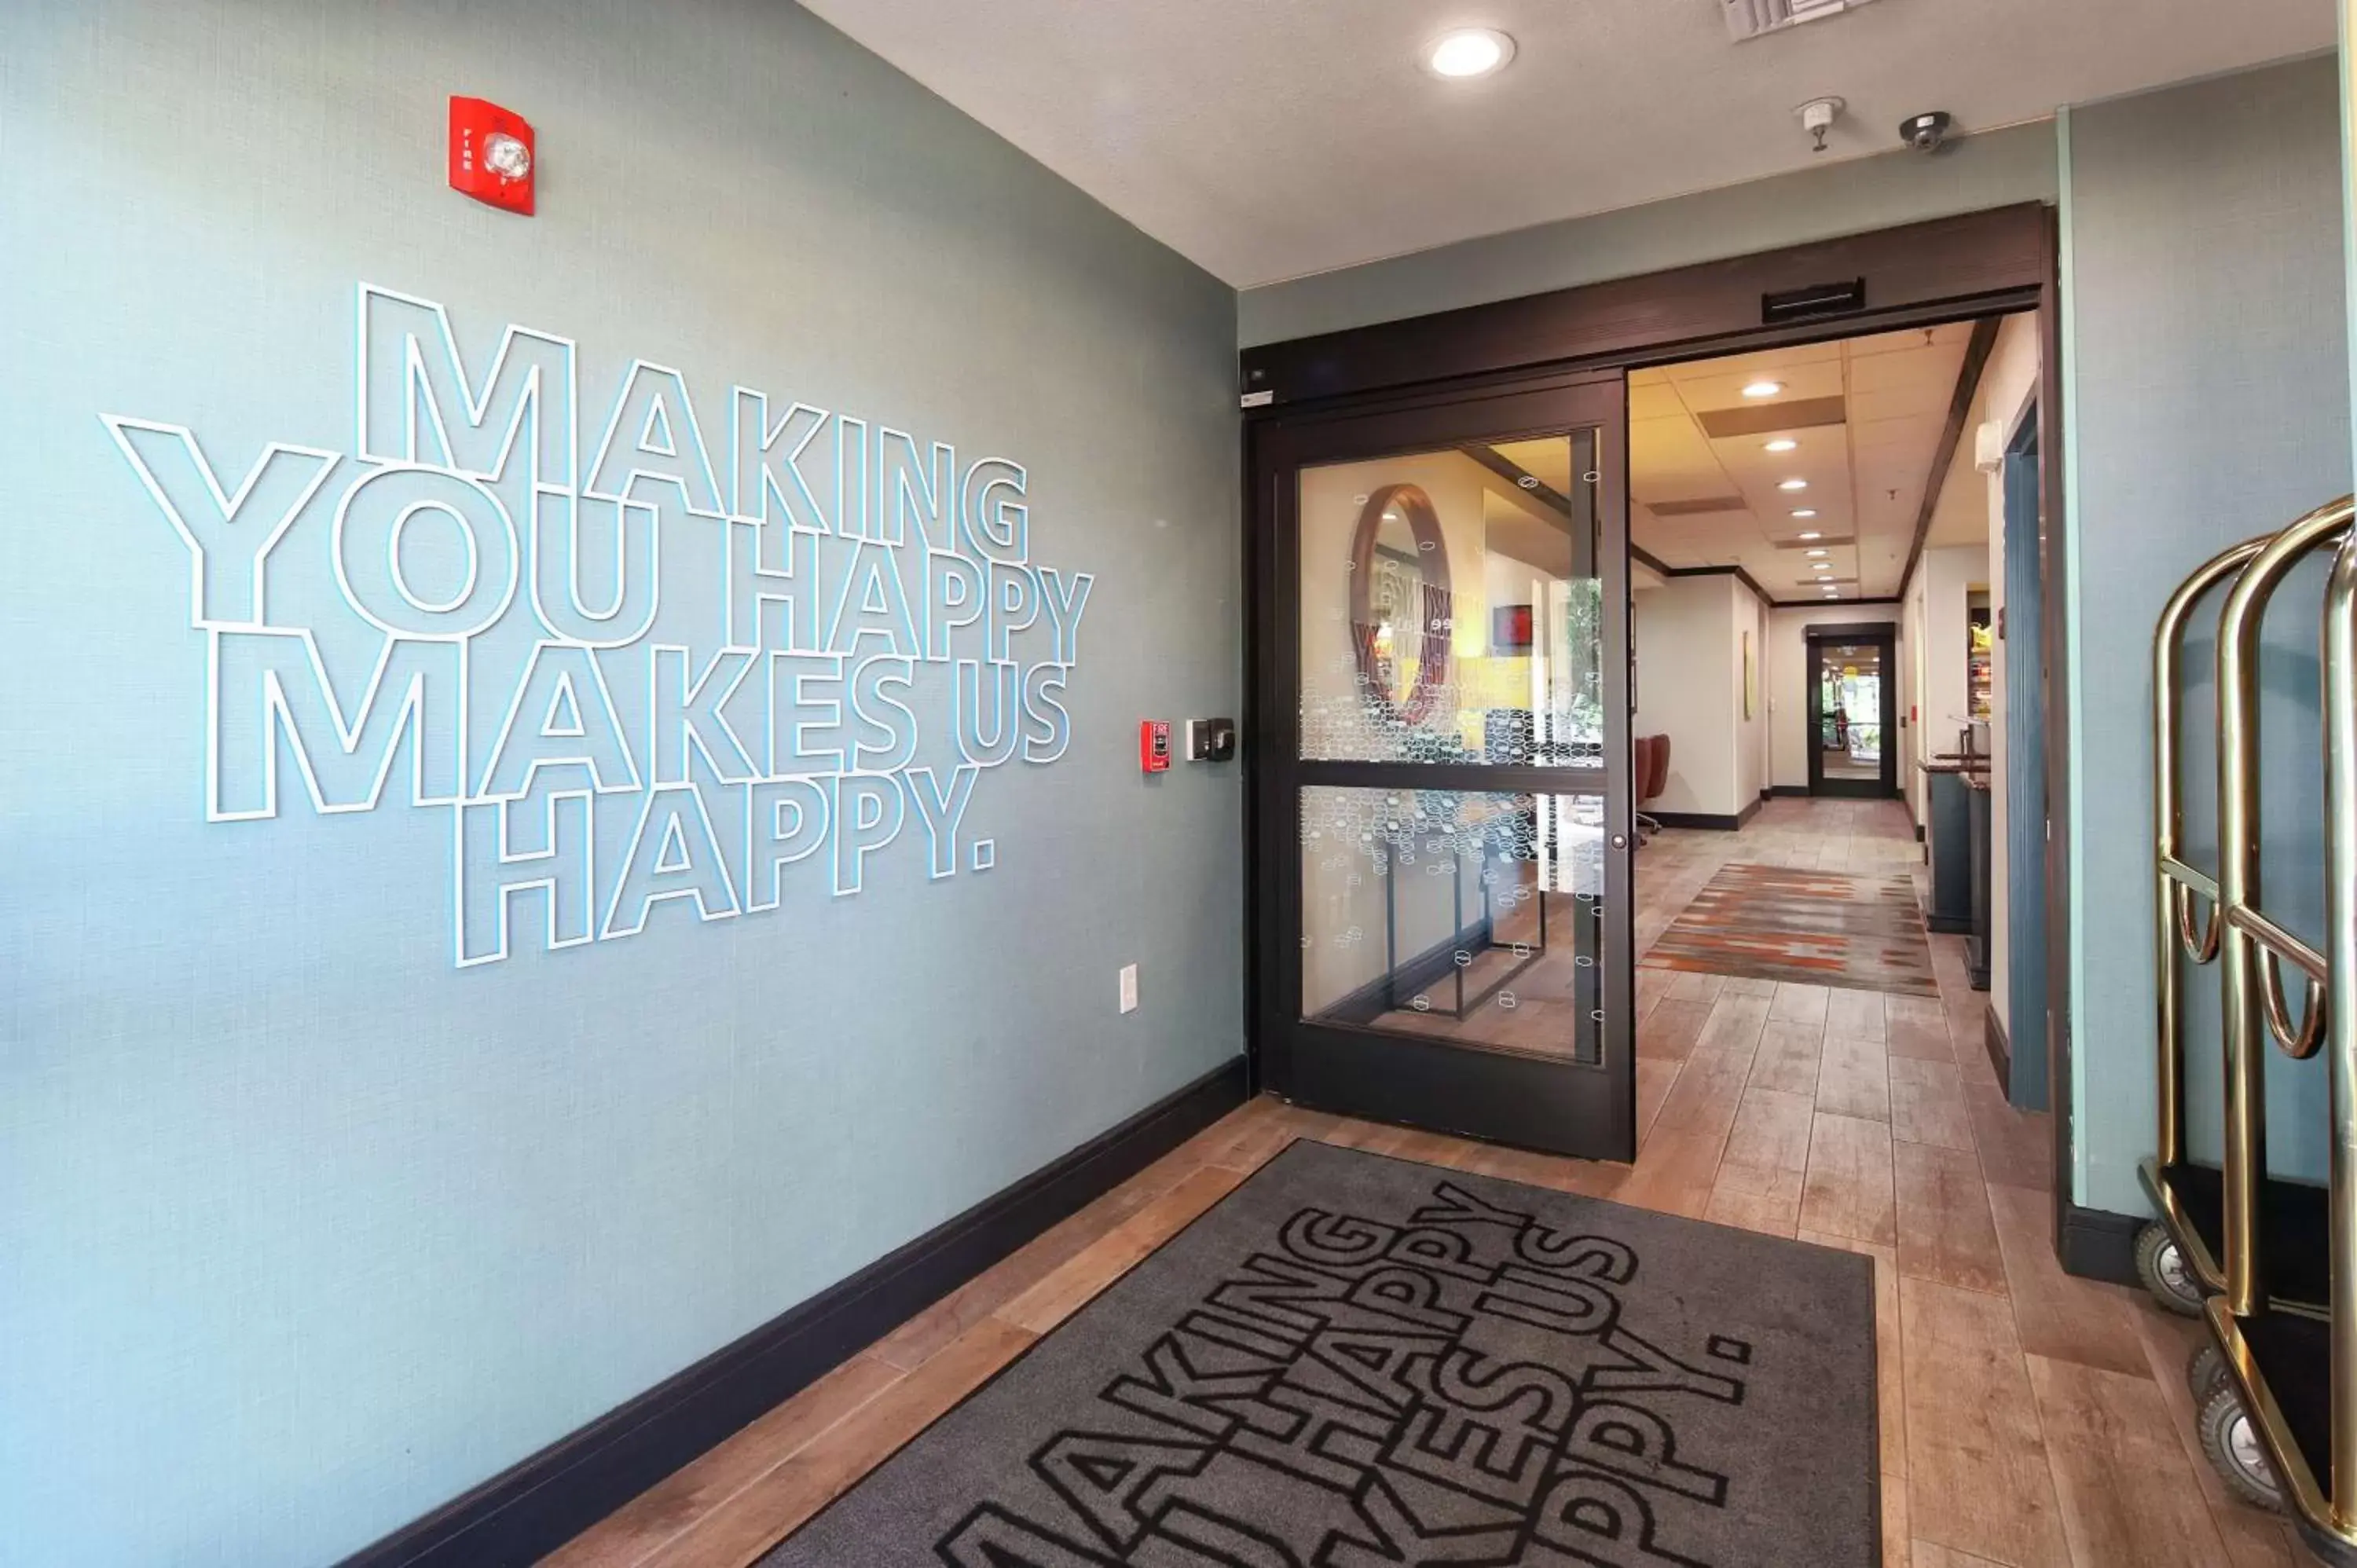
<point x="1442" y="811"/>
<point x="1853" y="713"/>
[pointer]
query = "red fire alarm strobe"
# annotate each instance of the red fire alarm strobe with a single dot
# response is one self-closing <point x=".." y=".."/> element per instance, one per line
<point x="490" y="154"/>
<point x="1154" y="745"/>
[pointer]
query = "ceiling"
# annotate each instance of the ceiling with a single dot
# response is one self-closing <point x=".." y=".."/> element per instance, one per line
<point x="1867" y="415"/>
<point x="1267" y="139"/>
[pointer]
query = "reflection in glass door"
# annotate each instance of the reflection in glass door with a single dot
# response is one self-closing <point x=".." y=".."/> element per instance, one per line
<point x="1438" y="730"/>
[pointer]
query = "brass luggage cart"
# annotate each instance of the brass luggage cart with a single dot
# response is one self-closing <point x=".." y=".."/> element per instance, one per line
<point x="2179" y="1256"/>
<point x="2278" y="1418"/>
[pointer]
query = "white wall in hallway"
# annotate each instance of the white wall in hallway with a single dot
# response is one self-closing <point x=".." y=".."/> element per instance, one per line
<point x="1689" y="687"/>
<point x="1751" y="760"/>
<point x="1948" y="577"/>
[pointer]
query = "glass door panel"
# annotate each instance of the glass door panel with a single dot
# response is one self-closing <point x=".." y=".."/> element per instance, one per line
<point x="1443" y="768"/>
<point x="1850" y="701"/>
<point x="1471" y="918"/>
<point x="1449" y="610"/>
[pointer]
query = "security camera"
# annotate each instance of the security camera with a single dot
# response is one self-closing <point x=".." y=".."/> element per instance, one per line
<point x="1925" y="133"/>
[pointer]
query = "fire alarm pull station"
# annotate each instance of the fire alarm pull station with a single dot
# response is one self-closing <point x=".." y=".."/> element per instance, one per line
<point x="490" y="154"/>
<point x="1154" y="745"/>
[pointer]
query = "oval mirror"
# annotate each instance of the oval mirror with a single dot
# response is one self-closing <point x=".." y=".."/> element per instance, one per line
<point x="1400" y="617"/>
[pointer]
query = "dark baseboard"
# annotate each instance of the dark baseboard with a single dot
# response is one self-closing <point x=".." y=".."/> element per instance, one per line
<point x="1749" y="811"/>
<point x="1953" y="925"/>
<point x="1800" y="789"/>
<point x="529" y="1511"/>
<point x="2098" y="1245"/>
<point x="1713" y="820"/>
<point x="1999" y="1047"/>
<point x="1919" y="833"/>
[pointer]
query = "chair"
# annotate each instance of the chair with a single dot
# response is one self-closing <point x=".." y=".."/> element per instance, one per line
<point x="1649" y="774"/>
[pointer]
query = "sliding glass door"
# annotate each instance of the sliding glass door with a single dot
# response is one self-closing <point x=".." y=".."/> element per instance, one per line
<point x="1442" y="819"/>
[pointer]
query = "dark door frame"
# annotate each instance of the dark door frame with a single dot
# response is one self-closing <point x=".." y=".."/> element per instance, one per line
<point x="1449" y="1085"/>
<point x="1883" y="635"/>
<point x="2005" y="259"/>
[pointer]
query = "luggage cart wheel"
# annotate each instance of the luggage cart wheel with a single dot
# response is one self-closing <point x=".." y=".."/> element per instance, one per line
<point x="2165" y="1272"/>
<point x="2233" y="1445"/>
<point x="2205" y="1372"/>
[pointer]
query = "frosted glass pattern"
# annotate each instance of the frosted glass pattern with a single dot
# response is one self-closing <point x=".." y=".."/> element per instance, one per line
<point x="1476" y="917"/>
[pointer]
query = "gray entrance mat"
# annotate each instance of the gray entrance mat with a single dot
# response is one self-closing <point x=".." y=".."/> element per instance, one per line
<point x="1355" y="1360"/>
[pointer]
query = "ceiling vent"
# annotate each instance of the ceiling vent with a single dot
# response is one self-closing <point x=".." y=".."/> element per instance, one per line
<point x="1749" y="18"/>
<point x="1760" y="418"/>
<point x="1708" y="504"/>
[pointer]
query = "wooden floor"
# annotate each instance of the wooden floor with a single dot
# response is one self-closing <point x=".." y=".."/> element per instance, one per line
<point x="2028" y="1418"/>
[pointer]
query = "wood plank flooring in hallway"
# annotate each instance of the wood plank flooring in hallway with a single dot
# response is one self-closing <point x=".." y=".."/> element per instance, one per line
<point x="2029" y="1419"/>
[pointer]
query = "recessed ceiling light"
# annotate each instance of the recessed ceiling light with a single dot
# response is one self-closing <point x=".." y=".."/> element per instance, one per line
<point x="1809" y="511"/>
<point x="1816" y="552"/>
<point x="1764" y="389"/>
<point x="1469" y="52"/>
<point x="1782" y="444"/>
<point x="1794" y="485"/>
<point x="1821" y="566"/>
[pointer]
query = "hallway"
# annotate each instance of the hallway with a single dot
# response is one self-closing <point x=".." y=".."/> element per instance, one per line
<point x="2026" y="1416"/>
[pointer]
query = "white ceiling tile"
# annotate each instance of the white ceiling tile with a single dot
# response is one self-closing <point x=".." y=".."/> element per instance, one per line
<point x="1865" y="478"/>
<point x="1706" y="386"/>
<point x="1914" y="398"/>
<point x="1954" y="332"/>
<point x="1651" y="396"/>
<point x="1917" y="370"/>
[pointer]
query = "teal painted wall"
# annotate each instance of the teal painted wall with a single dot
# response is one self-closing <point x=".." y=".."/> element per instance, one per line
<point x="303" y="1228"/>
<point x="2209" y="402"/>
<point x="1992" y="169"/>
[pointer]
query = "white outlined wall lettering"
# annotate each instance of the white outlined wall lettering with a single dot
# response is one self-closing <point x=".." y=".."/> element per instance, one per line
<point x="642" y="697"/>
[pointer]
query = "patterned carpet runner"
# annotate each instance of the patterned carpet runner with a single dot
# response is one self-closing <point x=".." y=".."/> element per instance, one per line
<point x="1827" y="928"/>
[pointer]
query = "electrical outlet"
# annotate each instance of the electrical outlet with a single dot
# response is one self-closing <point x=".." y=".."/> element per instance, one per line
<point x="1129" y="988"/>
